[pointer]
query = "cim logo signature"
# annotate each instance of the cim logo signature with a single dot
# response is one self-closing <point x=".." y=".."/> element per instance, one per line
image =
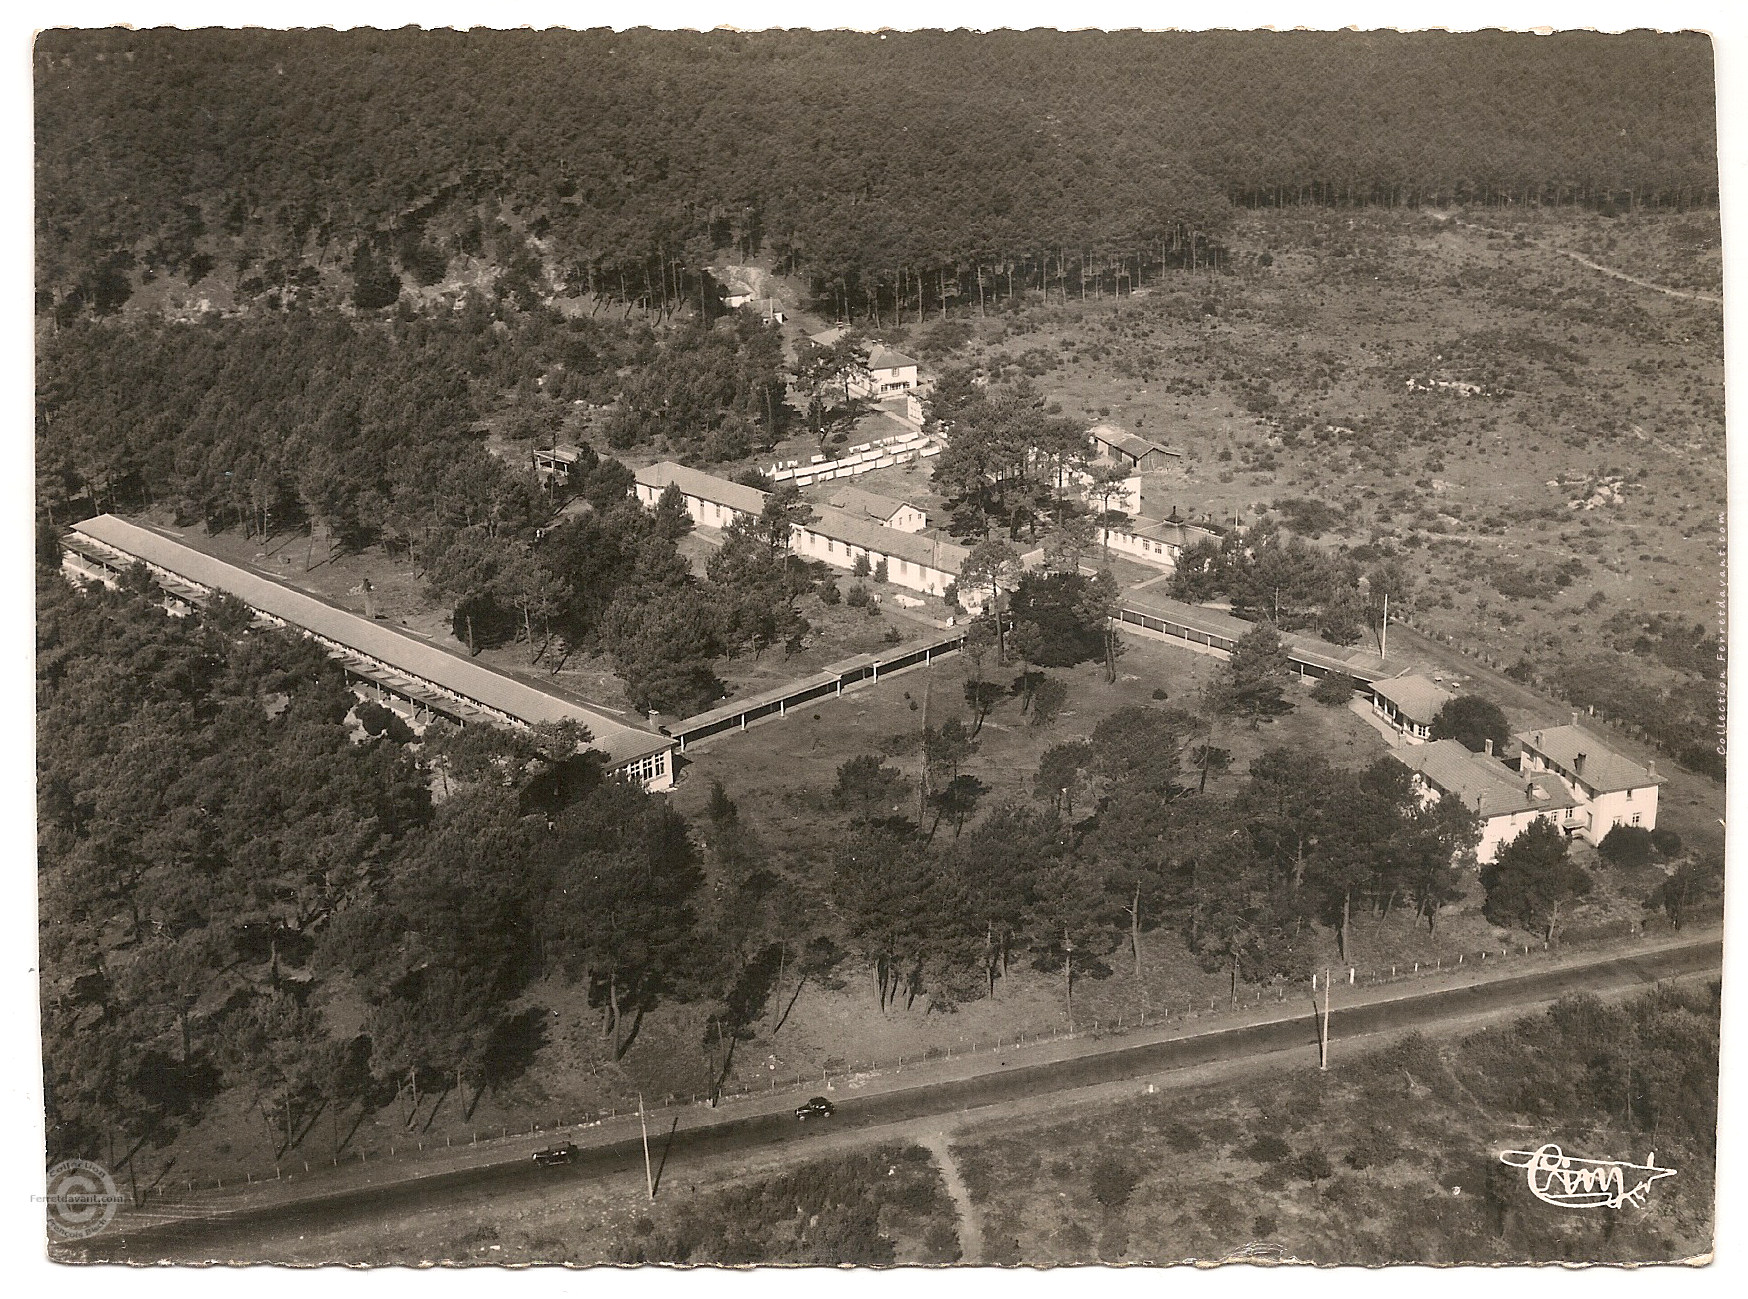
<point x="1567" y="1182"/>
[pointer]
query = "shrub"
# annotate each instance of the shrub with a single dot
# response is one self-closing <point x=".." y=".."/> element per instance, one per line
<point x="1113" y="1181"/>
<point x="829" y="593"/>
<point x="1335" y="689"/>
<point x="857" y="598"/>
<point x="942" y="1243"/>
<point x="880" y="571"/>
<point x="861" y="568"/>
<point x="1268" y="1149"/>
<point x="1626" y="845"/>
<point x="1160" y="692"/>
<point x="1310" y="1166"/>
<point x="1472" y="720"/>
<point x="1666" y="842"/>
<point x="1372" y="1148"/>
<point x="1183" y="1139"/>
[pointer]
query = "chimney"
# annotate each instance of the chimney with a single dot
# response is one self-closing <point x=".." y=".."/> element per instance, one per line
<point x="1578" y="765"/>
<point x="1651" y="768"/>
<point x="1487" y="744"/>
<point x="1538" y="739"/>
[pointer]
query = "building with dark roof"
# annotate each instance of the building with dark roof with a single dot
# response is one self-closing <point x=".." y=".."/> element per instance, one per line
<point x="1118" y="446"/>
<point x="1610" y="788"/>
<point x="1507" y="802"/>
<point x="426" y="678"/>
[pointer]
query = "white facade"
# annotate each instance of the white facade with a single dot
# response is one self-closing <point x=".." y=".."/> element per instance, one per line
<point x="837" y="537"/>
<point x="1137" y="546"/>
<point x="914" y="575"/>
<point x="1610" y="789"/>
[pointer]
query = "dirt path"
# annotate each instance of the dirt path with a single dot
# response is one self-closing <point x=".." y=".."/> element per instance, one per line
<point x="970" y="1225"/>
<point x="1690" y="294"/>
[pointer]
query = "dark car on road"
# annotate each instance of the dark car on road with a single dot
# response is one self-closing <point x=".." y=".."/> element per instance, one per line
<point x="559" y="1154"/>
<point x="817" y="1108"/>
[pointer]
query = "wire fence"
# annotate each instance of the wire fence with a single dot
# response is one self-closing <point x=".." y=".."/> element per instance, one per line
<point x="838" y="1073"/>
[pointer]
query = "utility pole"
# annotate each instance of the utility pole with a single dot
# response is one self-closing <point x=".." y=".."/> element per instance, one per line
<point x="1384" y="631"/>
<point x="648" y="1176"/>
<point x="922" y="795"/>
<point x="1068" y="975"/>
<point x="1323" y="1038"/>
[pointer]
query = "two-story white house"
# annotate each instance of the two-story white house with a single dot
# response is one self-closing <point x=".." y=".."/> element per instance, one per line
<point x="1609" y="789"/>
<point x="1507" y="802"/>
<point x="890" y="374"/>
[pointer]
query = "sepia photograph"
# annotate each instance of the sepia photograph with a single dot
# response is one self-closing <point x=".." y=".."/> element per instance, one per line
<point x="987" y="647"/>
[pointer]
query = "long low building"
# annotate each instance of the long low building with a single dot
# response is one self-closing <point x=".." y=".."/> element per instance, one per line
<point x="914" y="560"/>
<point x="1154" y="542"/>
<point x="1214" y="631"/>
<point x="426" y="677"/>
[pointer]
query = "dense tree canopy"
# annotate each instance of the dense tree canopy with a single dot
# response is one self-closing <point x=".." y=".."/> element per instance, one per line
<point x="1016" y="159"/>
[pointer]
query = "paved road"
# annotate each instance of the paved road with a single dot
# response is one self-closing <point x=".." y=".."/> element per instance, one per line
<point x="207" y="1238"/>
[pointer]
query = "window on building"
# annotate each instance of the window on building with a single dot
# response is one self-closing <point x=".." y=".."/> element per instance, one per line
<point x="1635" y="818"/>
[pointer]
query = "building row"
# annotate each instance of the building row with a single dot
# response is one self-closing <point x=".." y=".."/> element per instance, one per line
<point x="417" y="678"/>
<point x="841" y="535"/>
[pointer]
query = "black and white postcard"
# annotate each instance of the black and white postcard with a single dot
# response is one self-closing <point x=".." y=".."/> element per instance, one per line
<point x="878" y="648"/>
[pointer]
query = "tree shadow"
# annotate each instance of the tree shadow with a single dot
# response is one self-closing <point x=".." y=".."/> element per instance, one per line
<point x="512" y="1047"/>
<point x="636" y="1026"/>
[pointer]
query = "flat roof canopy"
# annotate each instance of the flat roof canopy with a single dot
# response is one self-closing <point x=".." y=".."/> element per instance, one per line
<point x="419" y="660"/>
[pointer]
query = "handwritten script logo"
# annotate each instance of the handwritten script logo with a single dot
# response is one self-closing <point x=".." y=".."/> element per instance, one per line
<point x="1559" y="1179"/>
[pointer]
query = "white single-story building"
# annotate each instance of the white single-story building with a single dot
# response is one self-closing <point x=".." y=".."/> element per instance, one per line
<point x="888" y="511"/>
<point x="1610" y="789"/>
<point x="712" y="502"/>
<point x="1409" y="703"/>
<point x="1507" y="802"/>
<point x="914" y="560"/>
<point x="1152" y="542"/>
